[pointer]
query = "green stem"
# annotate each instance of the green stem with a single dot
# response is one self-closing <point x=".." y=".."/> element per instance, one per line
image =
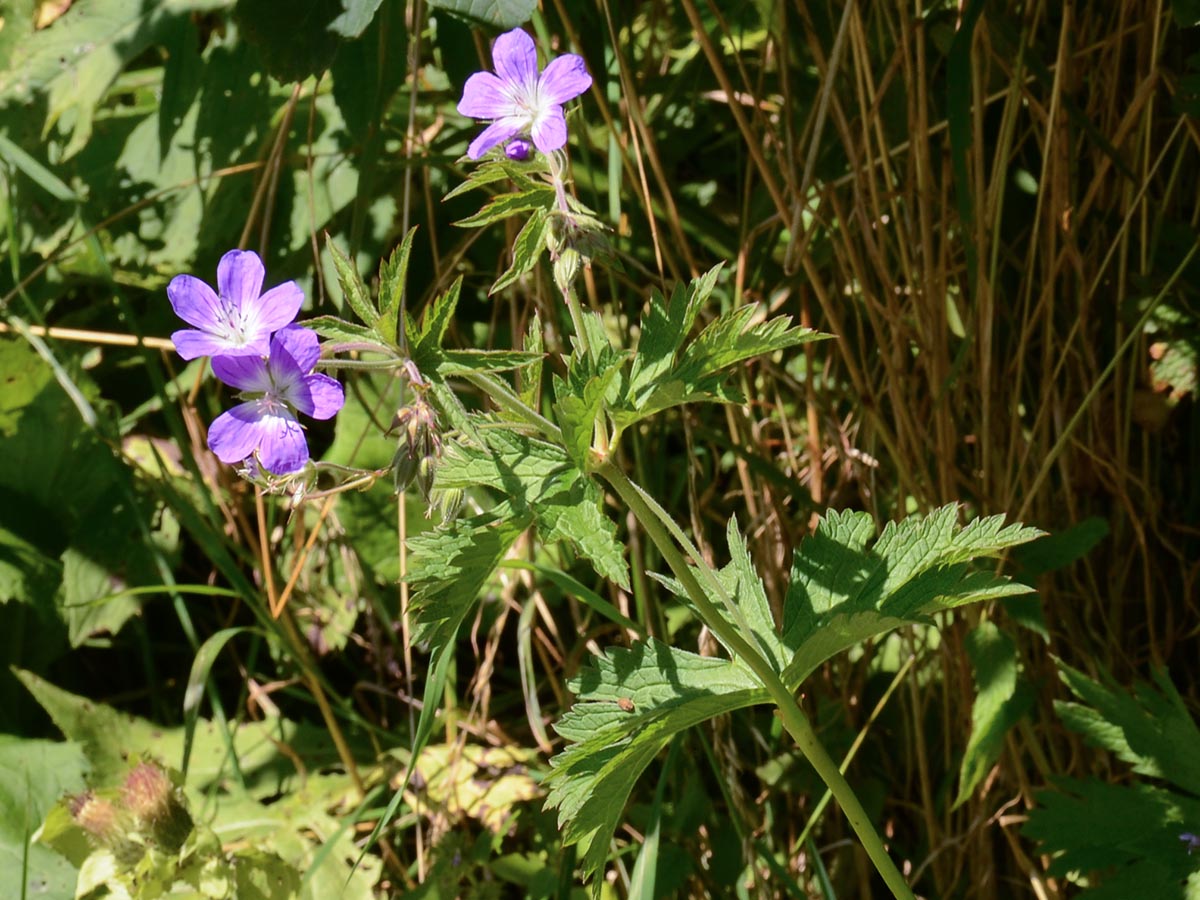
<point x="656" y="525"/>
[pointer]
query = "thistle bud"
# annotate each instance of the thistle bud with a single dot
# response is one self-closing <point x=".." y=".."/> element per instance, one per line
<point x="153" y="800"/>
<point x="106" y="826"/>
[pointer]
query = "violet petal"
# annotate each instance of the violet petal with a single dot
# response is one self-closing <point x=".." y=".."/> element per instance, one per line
<point x="240" y="276"/>
<point x="283" y="449"/>
<point x="236" y="433"/>
<point x="500" y="130"/>
<point x="486" y="97"/>
<point x="565" y="78"/>
<point x="192" y="344"/>
<point x="195" y="302"/>
<point x="246" y="373"/>
<point x="301" y="346"/>
<point x="515" y="57"/>
<point x="319" y="396"/>
<point x="278" y="307"/>
<point x="550" y="130"/>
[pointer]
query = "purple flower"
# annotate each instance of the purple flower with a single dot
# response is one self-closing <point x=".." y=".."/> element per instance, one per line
<point x="518" y="149"/>
<point x="518" y="99"/>
<point x="277" y="387"/>
<point x="237" y="321"/>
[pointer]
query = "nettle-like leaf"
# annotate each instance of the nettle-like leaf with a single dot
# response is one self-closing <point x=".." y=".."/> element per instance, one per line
<point x="450" y="565"/>
<point x="1134" y="840"/>
<point x="539" y="482"/>
<point x="843" y="592"/>
<point x="500" y="13"/>
<point x="584" y="394"/>
<point x="668" y="371"/>
<point x="845" y="588"/>
<point x="632" y="702"/>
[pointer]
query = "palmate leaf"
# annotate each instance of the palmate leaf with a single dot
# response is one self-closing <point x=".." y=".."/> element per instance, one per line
<point x="844" y="590"/>
<point x="449" y="566"/>
<point x="632" y="703"/>
<point x="1137" y="836"/>
<point x="668" y="372"/>
<point x="541" y="484"/>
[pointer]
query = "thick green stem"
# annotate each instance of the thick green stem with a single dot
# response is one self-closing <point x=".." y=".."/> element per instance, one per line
<point x="654" y="521"/>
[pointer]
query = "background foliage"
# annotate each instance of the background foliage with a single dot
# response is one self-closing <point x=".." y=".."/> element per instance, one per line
<point x="991" y="206"/>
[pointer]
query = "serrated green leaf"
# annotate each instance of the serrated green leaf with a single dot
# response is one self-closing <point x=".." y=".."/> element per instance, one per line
<point x="576" y="515"/>
<point x="462" y="362"/>
<point x="505" y="205"/>
<point x="449" y="566"/>
<point x="393" y="279"/>
<point x="1001" y="698"/>
<point x="529" y="378"/>
<point x="1151" y="730"/>
<point x="425" y="340"/>
<point x="751" y="611"/>
<point x="527" y="249"/>
<point x="501" y="13"/>
<point x="631" y="703"/>
<point x="666" y="326"/>
<point x="496" y="170"/>
<point x="843" y="592"/>
<point x="340" y="330"/>
<point x="580" y="402"/>
<point x="1128" y="837"/>
<point x="353" y="289"/>
<point x="667" y="373"/>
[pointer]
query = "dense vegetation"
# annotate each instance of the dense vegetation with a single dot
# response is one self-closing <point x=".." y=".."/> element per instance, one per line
<point x="827" y="401"/>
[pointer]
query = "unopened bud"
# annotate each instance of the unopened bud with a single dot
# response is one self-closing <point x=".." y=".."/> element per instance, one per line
<point x="106" y="826"/>
<point x="447" y="503"/>
<point x="153" y="800"/>
<point x="566" y="269"/>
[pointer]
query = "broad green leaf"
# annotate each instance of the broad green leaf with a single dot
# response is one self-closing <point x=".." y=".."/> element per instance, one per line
<point x="355" y="17"/>
<point x="500" y="13"/>
<point x="36" y="775"/>
<point x="528" y="248"/>
<point x="631" y="703"/>
<point x="353" y="289"/>
<point x="1001" y="698"/>
<point x="108" y="738"/>
<point x="1151" y="730"/>
<point x="529" y="378"/>
<point x="1127" y="837"/>
<point x="77" y="59"/>
<point x="843" y="591"/>
<point x="505" y="205"/>
<point x="306" y="46"/>
<point x="448" y="568"/>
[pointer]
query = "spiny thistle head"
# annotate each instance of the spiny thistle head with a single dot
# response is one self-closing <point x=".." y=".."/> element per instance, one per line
<point x="152" y="798"/>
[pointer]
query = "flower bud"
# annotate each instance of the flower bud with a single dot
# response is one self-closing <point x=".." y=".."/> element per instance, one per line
<point x="566" y="269"/>
<point x="153" y="800"/>
<point x="106" y="825"/>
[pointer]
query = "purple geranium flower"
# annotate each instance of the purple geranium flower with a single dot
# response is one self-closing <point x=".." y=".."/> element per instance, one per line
<point x="518" y="99"/>
<point x="237" y="321"/>
<point x="277" y="387"/>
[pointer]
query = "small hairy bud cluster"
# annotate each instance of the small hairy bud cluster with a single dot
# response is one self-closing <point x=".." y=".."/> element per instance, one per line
<point x="156" y="805"/>
<point x="420" y="447"/>
<point x="106" y="825"/>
